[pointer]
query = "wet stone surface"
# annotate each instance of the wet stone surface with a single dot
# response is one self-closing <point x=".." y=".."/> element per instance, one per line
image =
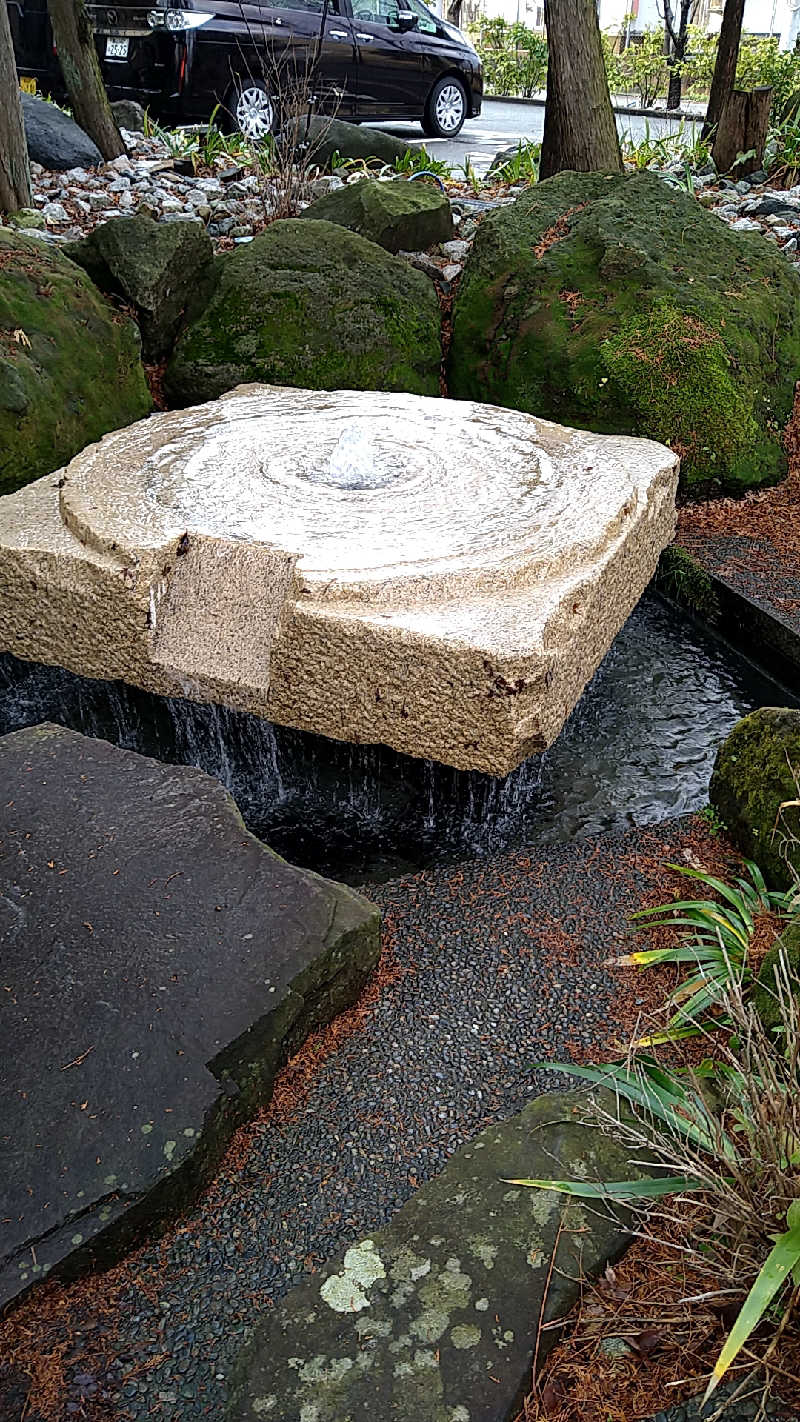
<point x="159" y="964"/>
<point x="435" y="1318"/>
<point x="489" y="976"/>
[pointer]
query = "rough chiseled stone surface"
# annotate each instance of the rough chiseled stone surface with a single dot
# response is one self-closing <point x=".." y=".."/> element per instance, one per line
<point x="754" y="789"/>
<point x="159" y="964"/>
<point x="69" y="363"/>
<point x="618" y="304"/>
<point x="434" y="1319"/>
<point x="341" y="563"/>
<point x="159" y="268"/>
<point x="400" y="216"/>
<point x="310" y="304"/>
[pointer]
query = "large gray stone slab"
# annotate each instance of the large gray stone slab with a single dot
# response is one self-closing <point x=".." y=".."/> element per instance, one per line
<point x="435" y="1318"/>
<point x="159" y="963"/>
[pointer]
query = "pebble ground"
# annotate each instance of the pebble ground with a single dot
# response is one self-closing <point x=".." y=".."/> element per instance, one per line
<point x="489" y="966"/>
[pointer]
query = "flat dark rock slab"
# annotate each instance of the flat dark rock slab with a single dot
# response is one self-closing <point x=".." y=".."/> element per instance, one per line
<point x="435" y="1318"/>
<point x="159" y="963"/>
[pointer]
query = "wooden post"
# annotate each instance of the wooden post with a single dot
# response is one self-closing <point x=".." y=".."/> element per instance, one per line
<point x="742" y="128"/>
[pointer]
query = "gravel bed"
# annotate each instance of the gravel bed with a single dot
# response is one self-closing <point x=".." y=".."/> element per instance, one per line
<point x="756" y="569"/>
<point x="490" y="965"/>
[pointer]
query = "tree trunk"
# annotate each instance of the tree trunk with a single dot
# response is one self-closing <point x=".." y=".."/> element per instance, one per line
<point x="74" y="41"/>
<point x="15" y="173"/>
<point x="742" y="128"/>
<point x="580" y="131"/>
<point x="730" y="37"/>
<point x="675" y="87"/>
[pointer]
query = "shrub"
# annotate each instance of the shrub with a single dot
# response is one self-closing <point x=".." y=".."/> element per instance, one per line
<point x="514" y="58"/>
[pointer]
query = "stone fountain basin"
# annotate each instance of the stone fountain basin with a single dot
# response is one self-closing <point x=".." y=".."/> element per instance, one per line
<point x="442" y="577"/>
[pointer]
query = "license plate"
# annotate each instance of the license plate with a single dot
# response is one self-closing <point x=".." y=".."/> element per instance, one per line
<point x="116" y="49"/>
<point x="28" y="85"/>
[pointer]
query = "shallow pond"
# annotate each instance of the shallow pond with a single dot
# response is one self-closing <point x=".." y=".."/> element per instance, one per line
<point x="638" y="748"/>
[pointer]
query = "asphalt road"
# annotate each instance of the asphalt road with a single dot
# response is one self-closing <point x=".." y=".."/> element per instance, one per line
<point x="502" y="124"/>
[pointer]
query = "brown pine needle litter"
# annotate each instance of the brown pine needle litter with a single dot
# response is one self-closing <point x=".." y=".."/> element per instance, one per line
<point x="771" y="516"/>
<point x="645" y="1337"/>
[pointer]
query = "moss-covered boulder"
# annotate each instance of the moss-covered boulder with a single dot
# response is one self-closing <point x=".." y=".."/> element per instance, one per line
<point x="313" y="305"/>
<point x="400" y="216"/>
<point x="780" y="970"/>
<point x="619" y="304"/>
<point x="755" y="788"/>
<point x="160" y="268"/>
<point x="69" y="364"/>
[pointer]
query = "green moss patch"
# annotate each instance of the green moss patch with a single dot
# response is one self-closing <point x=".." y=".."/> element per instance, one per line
<point x="755" y="787"/>
<point x="400" y="216"/>
<point x="617" y="304"/>
<point x="314" y="305"/>
<point x="69" y="363"/>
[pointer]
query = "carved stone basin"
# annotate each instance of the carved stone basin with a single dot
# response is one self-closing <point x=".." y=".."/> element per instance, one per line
<point x="442" y="577"/>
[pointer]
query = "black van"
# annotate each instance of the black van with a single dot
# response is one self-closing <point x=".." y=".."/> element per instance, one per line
<point x="371" y="59"/>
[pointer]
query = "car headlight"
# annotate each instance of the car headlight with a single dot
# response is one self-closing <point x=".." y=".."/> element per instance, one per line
<point x="176" y="20"/>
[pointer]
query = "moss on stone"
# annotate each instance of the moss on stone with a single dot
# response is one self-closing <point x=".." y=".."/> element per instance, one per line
<point x="400" y="216"/>
<point x="69" y="364"/>
<point x="755" y="781"/>
<point x="313" y="305"/>
<point x="681" y="577"/>
<point x="618" y="304"/>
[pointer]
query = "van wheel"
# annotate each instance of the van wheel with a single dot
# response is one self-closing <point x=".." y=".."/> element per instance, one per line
<point x="253" y="110"/>
<point x="446" y="108"/>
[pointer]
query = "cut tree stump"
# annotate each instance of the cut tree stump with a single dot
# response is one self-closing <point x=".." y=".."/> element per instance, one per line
<point x="742" y="129"/>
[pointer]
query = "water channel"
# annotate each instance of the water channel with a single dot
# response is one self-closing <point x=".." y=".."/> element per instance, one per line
<point x="638" y="748"/>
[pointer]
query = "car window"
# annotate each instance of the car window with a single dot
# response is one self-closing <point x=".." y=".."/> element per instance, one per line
<point x="427" y="23"/>
<point x="384" y="12"/>
<point x="315" y="6"/>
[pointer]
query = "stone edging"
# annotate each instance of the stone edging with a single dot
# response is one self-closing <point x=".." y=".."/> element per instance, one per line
<point x="618" y="108"/>
<point x="767" y="638"/>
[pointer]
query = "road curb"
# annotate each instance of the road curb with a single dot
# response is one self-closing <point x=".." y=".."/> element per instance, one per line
<point x="621" y="109"/>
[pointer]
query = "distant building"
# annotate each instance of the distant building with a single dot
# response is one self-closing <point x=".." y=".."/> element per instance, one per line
<point x="761" y="17"/>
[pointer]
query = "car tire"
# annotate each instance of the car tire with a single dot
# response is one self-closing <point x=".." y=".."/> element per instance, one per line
<point x="252" y="109"/>
<point x="446" y="108"/>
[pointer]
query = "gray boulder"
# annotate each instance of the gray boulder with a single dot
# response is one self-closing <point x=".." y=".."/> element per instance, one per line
<point x="128" y="114"/>
<point x="400" y="216"/>
<point x="435" y="1318"/>
<point x="159" y="268"/>
<point x="350" y="140"/>
<point x="313" y="305"/>
<point x="54" y="139"/>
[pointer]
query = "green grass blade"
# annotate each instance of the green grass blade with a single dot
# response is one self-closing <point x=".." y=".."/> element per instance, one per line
<point x="647" y="1188"/>
<point x="782" y="1259"/>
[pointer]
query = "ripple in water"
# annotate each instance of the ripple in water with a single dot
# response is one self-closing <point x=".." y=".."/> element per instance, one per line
<point x="638" y="748"/>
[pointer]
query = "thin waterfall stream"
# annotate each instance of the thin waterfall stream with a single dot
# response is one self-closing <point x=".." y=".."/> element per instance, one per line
<point x="638" y="748"/>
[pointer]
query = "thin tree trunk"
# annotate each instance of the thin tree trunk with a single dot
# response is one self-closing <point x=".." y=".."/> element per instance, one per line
<point x="15" y="173"/>
<point x="743" y="127"/>
<point x="730" y="37"/>
<point x="74" y="41"/>
<point x="675" y="87"/>
<point x="580" y="131"/>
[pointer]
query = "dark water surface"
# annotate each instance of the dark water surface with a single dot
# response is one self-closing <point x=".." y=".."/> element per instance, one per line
<point x="638" y="748"/>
